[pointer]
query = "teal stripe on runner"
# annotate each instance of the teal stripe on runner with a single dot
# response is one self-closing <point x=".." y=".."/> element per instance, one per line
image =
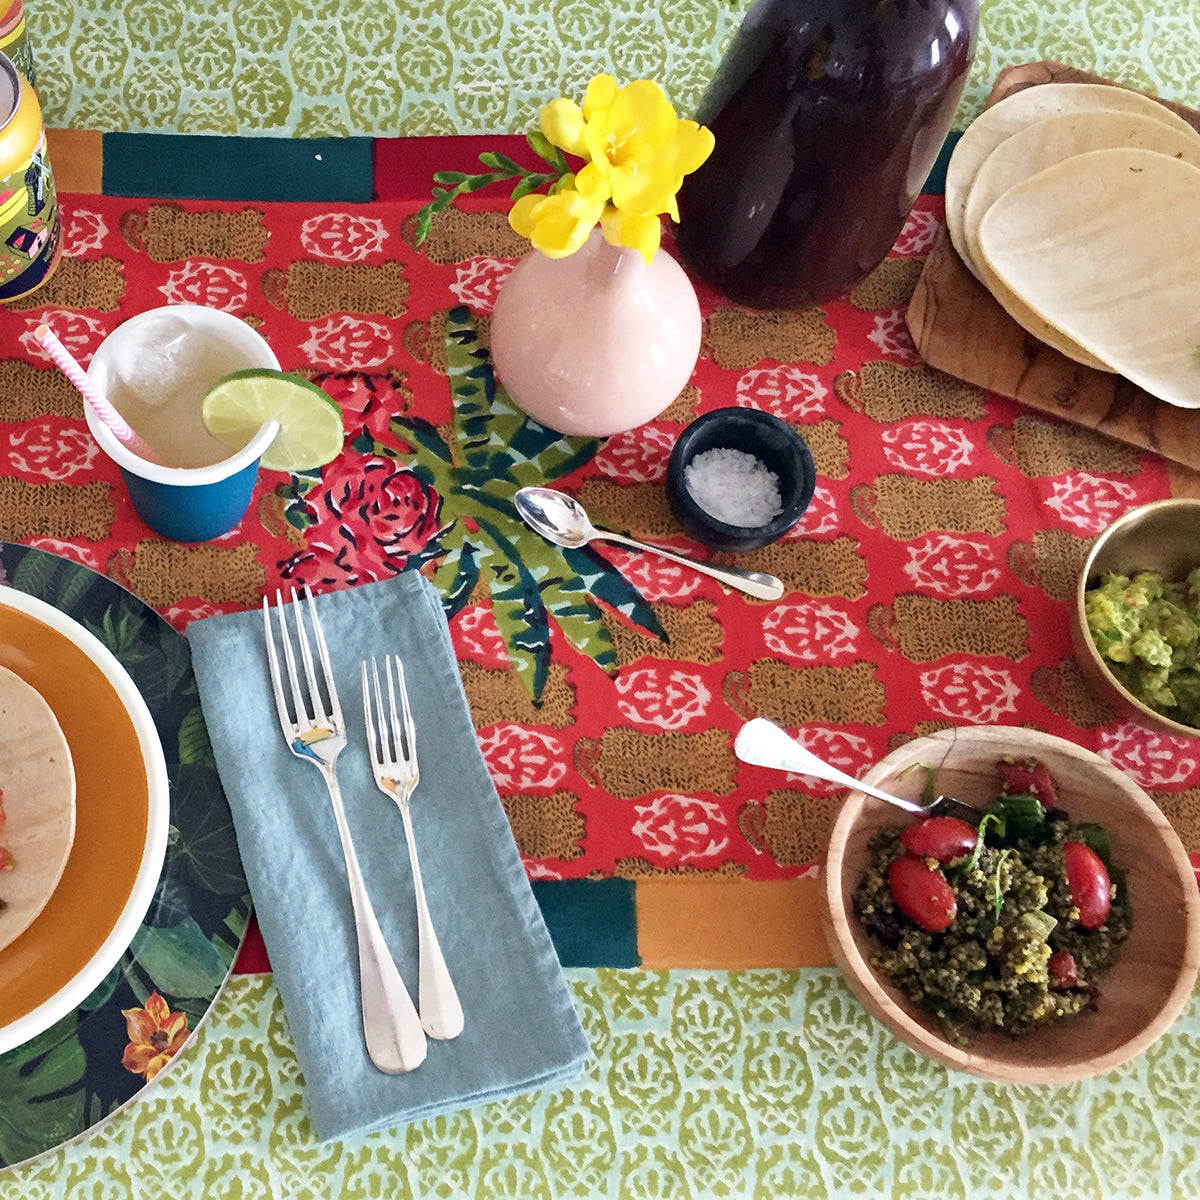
<point x="238" y="168"/>
<point x="592" y="922"/>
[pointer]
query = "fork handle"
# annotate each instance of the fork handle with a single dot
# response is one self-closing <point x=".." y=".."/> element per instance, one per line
<point x="441" y="1012"/>
<point x="391" y="1028"/>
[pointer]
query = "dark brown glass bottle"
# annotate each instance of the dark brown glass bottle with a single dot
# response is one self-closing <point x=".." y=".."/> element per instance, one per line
<point x="828" y="116"/>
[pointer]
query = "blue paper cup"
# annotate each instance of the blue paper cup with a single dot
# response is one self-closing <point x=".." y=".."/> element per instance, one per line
<point x="185" y="504"/>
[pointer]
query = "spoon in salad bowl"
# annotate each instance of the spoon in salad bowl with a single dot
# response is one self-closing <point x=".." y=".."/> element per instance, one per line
<point x="561" y="519"/>
<point x="762" y="743"/>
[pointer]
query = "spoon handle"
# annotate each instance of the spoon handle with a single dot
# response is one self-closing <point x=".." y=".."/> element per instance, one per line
<point x="763" y="744"/>
<point x="753" y="583"/>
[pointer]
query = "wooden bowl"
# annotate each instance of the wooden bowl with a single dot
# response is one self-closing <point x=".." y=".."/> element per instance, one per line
<point x="1162" y="536"/>
<point x="1140" y="995"/>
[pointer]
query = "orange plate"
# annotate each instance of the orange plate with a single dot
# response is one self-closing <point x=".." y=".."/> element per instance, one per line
<point x="112" y="814"/>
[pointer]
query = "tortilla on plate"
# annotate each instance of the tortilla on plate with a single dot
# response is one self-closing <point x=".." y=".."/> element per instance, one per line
<point x="37" y="780"/>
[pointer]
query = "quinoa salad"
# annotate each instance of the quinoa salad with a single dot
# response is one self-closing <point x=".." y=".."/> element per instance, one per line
<point x="1003" y="928"/>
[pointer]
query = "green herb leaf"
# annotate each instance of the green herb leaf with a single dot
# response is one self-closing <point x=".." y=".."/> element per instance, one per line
<point x="997" y="892"/>
<point x="1021" y="812"/>
<point x="541" y="145"/>
<point x="996" y="821"/>
<point x="1097" y="837"/>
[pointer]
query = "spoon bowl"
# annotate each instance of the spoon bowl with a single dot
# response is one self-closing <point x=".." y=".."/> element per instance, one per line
<point x="561" y="519"/>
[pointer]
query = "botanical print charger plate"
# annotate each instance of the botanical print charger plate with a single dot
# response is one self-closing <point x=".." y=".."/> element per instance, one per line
<point x="98" y="1057"/>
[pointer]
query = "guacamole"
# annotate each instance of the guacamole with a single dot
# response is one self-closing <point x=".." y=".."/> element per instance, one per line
<point x="1147" y="630"/>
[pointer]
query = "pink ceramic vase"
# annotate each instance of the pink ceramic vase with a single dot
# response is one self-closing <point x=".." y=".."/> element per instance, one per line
<point x="597" y="342"/>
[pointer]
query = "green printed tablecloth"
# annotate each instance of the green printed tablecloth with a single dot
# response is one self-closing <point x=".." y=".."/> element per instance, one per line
<point x="385" y="68"/>
<point x="745" y="1084"/>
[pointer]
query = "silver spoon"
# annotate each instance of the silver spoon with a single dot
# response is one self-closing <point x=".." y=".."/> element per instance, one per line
<point x="763" y="744"/>
<point x="562" y="520"/>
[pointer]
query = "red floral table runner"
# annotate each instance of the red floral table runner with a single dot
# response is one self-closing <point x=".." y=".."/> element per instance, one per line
<point x="929" y="583"/>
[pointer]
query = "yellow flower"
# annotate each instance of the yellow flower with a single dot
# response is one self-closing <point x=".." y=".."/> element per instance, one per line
<point x="635" y="141"/>
<point x="562" y="123"/>
<point x="638" y="232"/>
<point x="558" y="224"/>
<point x="155" y="1034"/>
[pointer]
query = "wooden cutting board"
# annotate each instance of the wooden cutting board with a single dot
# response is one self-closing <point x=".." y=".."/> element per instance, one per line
<point x="960" y="329"/>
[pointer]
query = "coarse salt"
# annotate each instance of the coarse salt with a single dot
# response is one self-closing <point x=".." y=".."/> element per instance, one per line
<point x="734" y="487"/>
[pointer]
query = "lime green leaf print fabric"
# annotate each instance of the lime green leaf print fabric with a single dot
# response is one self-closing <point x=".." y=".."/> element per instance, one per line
<point x="747" y="1084"/>
<point x="387" y="68"/>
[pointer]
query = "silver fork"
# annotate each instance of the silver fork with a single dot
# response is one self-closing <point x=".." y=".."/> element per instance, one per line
<point x="316" y="732"/>
<point x="394" y="761"/>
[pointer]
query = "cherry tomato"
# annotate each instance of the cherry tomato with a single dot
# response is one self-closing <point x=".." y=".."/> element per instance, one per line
<point x="1091" y="889"/>
<point x="1063" y="972"/>
<point x="943" y="838"/>
<point x="922" y="893"/>
<point x="1021" y="776"/>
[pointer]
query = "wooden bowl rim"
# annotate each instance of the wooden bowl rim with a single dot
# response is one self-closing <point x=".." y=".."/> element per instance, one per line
<point x="885" y="1002"/>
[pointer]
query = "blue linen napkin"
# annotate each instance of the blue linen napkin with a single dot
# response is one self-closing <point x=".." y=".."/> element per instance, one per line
<point x="522" y="1031"/>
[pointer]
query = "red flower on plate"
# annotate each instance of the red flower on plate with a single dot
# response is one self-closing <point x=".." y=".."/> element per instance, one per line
<point x="155" y="1035"/>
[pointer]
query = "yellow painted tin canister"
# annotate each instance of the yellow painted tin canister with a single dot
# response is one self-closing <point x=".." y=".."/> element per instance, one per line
<point x="14" y="38"/>
<point x="30" y="230"/>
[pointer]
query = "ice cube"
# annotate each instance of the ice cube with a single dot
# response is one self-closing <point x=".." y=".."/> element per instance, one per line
<point x="160" y="368"/>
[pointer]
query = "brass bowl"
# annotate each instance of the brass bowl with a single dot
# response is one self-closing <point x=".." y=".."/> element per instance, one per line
<point x="1141" y="994"/>
<point x="1162" y="536"/>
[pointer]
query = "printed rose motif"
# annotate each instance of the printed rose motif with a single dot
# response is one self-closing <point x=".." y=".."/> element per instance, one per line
<point x="892" y="337"/>
<point x="82" y="231"/>
<point x="655" y="578"/>
<point x="343" y="237"/>
<point x="80" y="554"/>
<point x="681" y="828"/>
<point x="478" y="637"/>
<point x="477" y="282"/>
<point x="43" y="452"/>
<point x="366" y="398"/>
<point x="821" y="516"/>
<point x="918" y="235"/>
<point x="209" y="284"/>
<point x="639" y="455"/>
<point x="812" y="632"/>
<point x="518" y="758"/>
<point x="928" y="447"/>
<point x="183" y="612"/>
<point x="1089" y="502"/>
<point x="346" y="343"/>
<point x="1152" y="759"/>
<point x="662" y="697"/>
<point x="394" y="514"/>
<point x="969" y="692"/>
<point x="80" y="334"/>
<point x="155" y="1035"/>
<point x="951" y="566"/>
<point x="786" y="391"/>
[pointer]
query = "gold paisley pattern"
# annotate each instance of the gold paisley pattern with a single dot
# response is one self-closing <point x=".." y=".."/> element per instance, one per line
<point x="703" y="1083"/>
<point x="376" y="68"/>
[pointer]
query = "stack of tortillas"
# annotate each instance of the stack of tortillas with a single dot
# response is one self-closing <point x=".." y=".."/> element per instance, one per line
<point x="1078" y="207"/>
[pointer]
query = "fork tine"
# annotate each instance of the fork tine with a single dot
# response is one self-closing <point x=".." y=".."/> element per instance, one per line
<point x="377" y="751"/>
<point x="273" y="663"/>
<point x="314" y="692"/>
<point x="323" y="656"/>
<point x="410" y="729"/>
<point x="289" y="659"/>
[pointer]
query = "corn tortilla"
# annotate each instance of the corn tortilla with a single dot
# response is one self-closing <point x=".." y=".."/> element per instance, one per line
<point x="1105" y="247"/>
<point x="37" y="779"/>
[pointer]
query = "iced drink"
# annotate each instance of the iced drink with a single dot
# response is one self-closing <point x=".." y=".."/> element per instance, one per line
<point x="157" y="382"/>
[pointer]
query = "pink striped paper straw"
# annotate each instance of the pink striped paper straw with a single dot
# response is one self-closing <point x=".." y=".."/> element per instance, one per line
<point x="100" y="406"/>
